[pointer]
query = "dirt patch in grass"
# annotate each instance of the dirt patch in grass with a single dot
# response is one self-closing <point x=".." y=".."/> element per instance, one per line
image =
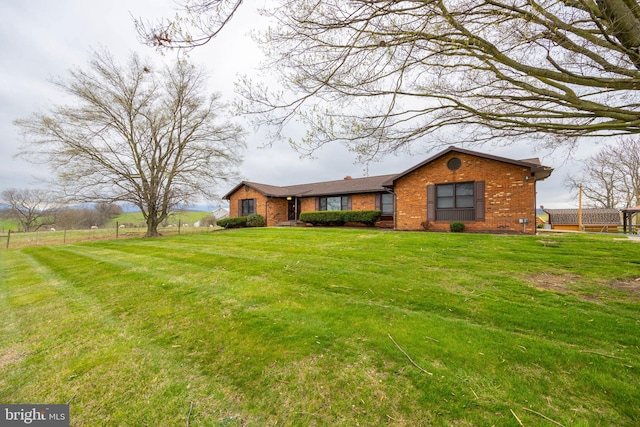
<point x="11" y="355"/>
<point x="629" y="285"/>
<point x="554" y="282"/>
<point x="568" y="283"/>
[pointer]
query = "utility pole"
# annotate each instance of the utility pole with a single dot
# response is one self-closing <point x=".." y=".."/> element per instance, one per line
<point x="580" y="209"/>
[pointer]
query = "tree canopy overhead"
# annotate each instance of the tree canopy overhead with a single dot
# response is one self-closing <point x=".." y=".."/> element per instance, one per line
<point x="150" y="136"/>
<point x="378" y="75"/>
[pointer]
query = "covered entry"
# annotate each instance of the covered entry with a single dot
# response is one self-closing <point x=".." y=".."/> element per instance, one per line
<point x="294" y="208"/>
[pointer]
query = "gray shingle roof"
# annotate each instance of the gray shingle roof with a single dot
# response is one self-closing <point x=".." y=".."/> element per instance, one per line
<point x="375" y="184"/>
<point x="590" y="216"/>
<point x="372" y="184"/>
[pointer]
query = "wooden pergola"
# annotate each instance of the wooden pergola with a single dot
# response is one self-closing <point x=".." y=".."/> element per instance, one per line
<point x="627" y="218"/>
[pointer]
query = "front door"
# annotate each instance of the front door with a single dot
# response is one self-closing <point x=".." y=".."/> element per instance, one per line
<point x="294" y="209"/>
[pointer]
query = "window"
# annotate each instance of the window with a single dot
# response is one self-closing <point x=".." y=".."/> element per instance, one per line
<point x="334" y="203"/>
<point x="462" y="201"/>
<point x="386" y="203"/>
<point x="454" y="164"/>
<point x="247" y="207"/>
<point x="452" y="196"/>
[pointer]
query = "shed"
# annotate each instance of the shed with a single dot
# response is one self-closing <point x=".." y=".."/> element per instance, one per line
<point x="593" y="219"/>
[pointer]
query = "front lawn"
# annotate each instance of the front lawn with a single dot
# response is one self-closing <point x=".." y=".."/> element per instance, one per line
<point x="326" y="327"/>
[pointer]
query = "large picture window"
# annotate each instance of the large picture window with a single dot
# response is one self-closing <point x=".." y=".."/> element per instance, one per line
<point x="334" y="203"/>
<point x="460" y="201"/>
<point x="452" y="196"/>
<point x="247" y="207"/>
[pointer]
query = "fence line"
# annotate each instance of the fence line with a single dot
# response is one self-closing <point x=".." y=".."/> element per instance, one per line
<point x="59" y="237"/>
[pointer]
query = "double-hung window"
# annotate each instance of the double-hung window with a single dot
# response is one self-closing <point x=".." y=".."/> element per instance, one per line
<point x="460" y="201"/>
<point x="247" y="207"/>
<point x="386" y="203"/>
<point x="454" y="196"/>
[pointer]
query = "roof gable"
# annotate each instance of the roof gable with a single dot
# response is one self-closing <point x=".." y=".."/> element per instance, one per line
<point x="375" y="184"/>
<point x="540" y="172"/>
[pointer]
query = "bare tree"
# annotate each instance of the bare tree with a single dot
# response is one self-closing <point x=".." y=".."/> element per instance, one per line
<point x="378" y="75"/>
<point x="200" y="22"/>
<point x="611" y="177"/>
<point x="32" y="208"/>
<point x="135" y="134"/>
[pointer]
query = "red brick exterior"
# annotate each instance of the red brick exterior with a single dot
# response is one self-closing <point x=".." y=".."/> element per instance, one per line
<point x="274" y="210"/>
<point x="509" y="195"/>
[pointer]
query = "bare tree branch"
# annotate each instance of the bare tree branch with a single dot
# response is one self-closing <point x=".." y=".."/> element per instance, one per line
<point x="32" y="208"/>
<point x="136" y="134"/>
<point x="379" y="75"/>
<point x="611" y="177"/>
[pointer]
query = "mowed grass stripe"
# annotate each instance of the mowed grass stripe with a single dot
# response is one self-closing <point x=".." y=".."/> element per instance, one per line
<point x="292" y="326"/>
<point x="86" y="346"/>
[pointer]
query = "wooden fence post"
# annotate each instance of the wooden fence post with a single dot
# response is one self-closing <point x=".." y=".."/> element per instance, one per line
<point x="8" y="238"/>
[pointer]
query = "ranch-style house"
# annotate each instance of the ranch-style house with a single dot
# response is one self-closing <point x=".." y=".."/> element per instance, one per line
<point x="485" y="192"/>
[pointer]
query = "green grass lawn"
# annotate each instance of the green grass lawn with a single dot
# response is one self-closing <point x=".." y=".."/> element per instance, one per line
<point x="326" y="327"/>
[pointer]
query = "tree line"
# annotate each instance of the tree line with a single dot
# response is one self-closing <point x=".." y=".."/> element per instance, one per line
<point x="36" y="209"/>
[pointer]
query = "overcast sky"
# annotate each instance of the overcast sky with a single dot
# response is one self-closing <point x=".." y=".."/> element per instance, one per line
<point x="43" y="39"/>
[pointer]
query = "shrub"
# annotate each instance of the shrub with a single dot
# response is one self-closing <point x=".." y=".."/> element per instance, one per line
<point x="238" y="222"/>
<point x="255" y="220"/>
<point x="208" y="220"/>
<point x="456" y="227"/>
<point x="340" y="217"/>
<point x="364" y="217"/>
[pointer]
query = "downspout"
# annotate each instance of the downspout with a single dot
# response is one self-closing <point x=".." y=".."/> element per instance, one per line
<point x="266" y="211"/>
<point x="535" y="204"/>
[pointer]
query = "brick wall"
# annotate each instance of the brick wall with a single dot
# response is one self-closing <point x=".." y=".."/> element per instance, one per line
<point x="359" y="202"/>
<point x="273" y="210"/>
<point x="508" y="195"/>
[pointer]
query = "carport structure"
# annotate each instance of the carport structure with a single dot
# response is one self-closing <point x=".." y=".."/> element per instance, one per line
<point x="627" y="218"/>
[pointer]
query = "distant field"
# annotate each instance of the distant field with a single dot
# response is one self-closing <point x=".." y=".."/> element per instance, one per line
<point x="120" y="226"/>
<point x="186" y="217"/>
<point x="302" y="326"/>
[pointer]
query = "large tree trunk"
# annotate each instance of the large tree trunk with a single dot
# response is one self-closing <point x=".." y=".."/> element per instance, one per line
<point x="152" y="226"/>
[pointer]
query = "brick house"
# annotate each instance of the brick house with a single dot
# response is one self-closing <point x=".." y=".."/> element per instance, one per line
<point x="485" y="192"/>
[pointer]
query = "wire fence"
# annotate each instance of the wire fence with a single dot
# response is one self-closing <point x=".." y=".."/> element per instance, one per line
<point x="15" y="239"/>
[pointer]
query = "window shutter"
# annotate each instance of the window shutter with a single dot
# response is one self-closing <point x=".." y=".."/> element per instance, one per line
<point x="239" y="207"/>
<point x="255" y="206"/>
<point x="317" y="204"/>
<point x="478" y="193"/>
<point x="348" y="203"/>
<point x="431" y="202"/>
<point x="378" y="202"/>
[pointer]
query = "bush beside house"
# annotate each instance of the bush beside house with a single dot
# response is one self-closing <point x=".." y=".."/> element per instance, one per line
<point x="253" y="220"/>
<point x="368" y="217"/>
